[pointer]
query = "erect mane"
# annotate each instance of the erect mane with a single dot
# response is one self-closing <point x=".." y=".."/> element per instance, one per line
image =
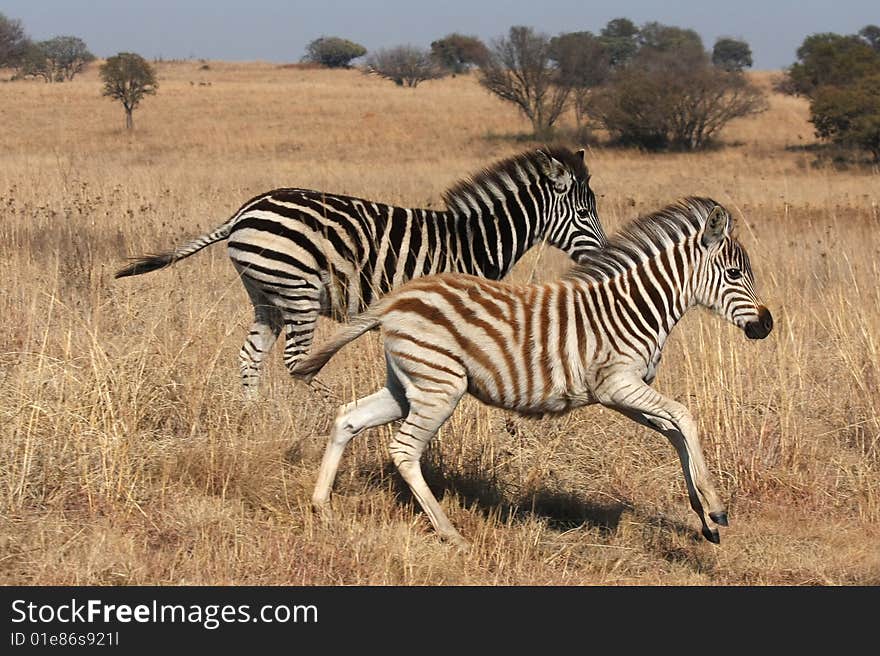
<point x="645" y="236"/>
<point x="511" y="173"/>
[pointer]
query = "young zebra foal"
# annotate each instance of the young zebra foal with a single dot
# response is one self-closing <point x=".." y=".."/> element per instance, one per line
<point x="593" y="337"/>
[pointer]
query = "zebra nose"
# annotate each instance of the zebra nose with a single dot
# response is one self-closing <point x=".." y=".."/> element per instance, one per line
<point x="762" y="326"/>
<point x="766" y="319"/>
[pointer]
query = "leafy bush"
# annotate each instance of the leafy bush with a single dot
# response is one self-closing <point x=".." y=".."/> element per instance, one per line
<point x="656" y="38"/>
<point x="457" y="53"/>
<point x="654" y="86"/>
<point x="850" y="114"/>
<point x="404" y="65"/>
<point x="33" y="62"/>
<point x="840" y="74"/>
<point x="831" y="59"/>
<point x="871" y="35"/>
<point x="583" y="63"/>
<point x="731" y="54"/>
<point x="620" y="39"/>
<point x="55" y="60"/>
<point x="13" y="41"/>
<point x="128" y="77"/>
<point x="333" y="52"/>
<point x="673" y="99"/>
<point x="520" y="70"/>
<point x="67" y="56"/>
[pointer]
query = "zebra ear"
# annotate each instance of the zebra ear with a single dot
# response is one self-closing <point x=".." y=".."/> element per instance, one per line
<point x="718" y="226"/>
<point x="583" y="155"/>
<point x="555" y="171"/>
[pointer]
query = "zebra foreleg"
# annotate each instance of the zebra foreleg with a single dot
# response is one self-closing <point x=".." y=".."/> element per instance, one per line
<point x="648" y="407"/>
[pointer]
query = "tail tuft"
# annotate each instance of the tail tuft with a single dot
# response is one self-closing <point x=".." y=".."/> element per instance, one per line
<point x="146" y="264"/>
<point x="152" y="262"/>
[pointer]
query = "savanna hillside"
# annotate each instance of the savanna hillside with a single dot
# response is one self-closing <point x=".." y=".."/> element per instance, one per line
<point x="128" y="457"/>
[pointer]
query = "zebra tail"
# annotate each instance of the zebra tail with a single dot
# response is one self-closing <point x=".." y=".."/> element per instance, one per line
<point x="309" y="367"/>
<point x="161" y="260"/>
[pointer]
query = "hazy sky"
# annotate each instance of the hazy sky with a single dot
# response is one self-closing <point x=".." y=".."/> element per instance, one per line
<point x="278" y="31"/>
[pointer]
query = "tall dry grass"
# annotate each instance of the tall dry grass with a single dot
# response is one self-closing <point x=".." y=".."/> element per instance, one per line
<point x="128" y="457"/>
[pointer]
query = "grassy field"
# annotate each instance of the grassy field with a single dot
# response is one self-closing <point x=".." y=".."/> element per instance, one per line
<point x="128" y="457"/>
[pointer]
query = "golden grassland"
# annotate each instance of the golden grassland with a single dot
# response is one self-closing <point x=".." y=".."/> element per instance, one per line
<point x="128" y="457"/>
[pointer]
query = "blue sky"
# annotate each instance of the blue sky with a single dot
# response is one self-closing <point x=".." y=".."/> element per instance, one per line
<point x="278" y="31"/>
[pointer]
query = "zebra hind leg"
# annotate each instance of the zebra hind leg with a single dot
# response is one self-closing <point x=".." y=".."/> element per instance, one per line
<point x="386" y="405"/>
<point x="262" y="335"/>
<point x="299" y="330"/>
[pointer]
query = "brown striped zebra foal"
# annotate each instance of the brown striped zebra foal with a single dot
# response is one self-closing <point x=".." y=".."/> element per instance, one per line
<point x="594" y="336"/>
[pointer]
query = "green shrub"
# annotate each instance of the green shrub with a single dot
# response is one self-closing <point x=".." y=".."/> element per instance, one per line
<point x="333" y="52"/>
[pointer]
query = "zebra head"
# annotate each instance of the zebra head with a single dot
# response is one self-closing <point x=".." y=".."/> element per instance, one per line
<point x="573" y="223"/>
<point x="728" y="286"/>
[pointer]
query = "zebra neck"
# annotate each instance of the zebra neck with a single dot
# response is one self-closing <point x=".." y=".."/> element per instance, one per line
<point x="649" y="298"/>
<point x="494" y="238"/>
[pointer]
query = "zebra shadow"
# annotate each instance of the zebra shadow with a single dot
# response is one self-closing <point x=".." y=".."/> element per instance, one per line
<point x="670" y="539"/>
<point x="561" y="510"/>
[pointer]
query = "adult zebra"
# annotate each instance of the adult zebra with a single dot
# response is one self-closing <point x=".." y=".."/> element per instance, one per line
<point x="593" y="337"/>
<point x="303" y="253"/>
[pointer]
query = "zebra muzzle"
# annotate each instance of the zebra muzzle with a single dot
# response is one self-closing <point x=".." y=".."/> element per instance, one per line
<point x="761" y="327"/>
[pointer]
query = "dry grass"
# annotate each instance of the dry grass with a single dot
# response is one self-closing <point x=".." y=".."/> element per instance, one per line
<point x="127" y="456"/>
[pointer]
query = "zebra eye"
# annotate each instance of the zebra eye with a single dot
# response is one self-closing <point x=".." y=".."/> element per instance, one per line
<point x="583" y="214"/>
<point x="734" y="274"/>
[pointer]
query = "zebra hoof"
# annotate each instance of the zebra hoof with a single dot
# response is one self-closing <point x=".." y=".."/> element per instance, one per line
<point x="711" y="535"/>
<point x="322" y="510"/>
<point x="719" y="518"/>
<point x="455" y="540"/>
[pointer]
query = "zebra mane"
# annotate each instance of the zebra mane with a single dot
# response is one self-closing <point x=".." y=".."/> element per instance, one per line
<point x="509" y="175"/>
<point x="646" y="236"/>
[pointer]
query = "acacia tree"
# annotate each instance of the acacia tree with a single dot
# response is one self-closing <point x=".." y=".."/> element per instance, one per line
<point x="404" y="65"/>
<point x="850" y="115"/>
<point x="831" y="59"/>
<point x="673" y="98"/>
<point x="333" y="52"/>
<point x="840" y="74"/>
<point x="520" y="70"/>
<point x="732" y="54"/>
<point x="34" y="63"/>
<point x="631" y="109"/>
<point x="13" y="41"/>
<point x="66" y="56"/>
<point x="655" y="38"/>
<point x="128" y="77"/>
<point x="871" y="34"/>
<point x="458" y="53"/>
<point x="584" y="63"/>
<point x="620" y="38"/>
<point x="709" y="100"/>
<point x="55" y="60"/>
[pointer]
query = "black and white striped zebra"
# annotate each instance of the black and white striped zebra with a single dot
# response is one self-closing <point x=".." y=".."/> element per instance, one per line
<point x="593" y="337"/>
<point x="303" y="253"/>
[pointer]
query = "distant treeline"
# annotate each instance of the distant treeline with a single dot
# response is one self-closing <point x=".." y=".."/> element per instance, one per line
<point x="653" y="86"/>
